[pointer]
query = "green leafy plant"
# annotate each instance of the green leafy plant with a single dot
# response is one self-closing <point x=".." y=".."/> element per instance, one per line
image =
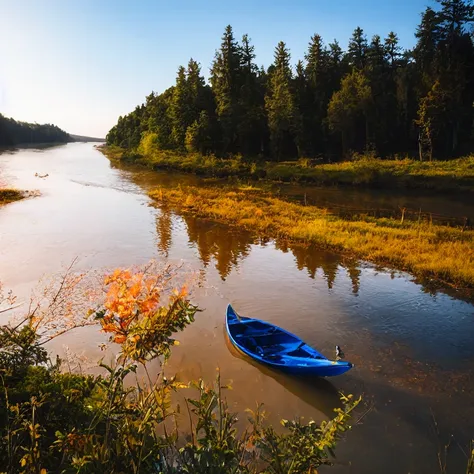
<point x="52" y="420"/>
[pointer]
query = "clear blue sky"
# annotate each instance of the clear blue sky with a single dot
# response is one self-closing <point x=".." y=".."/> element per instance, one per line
<point x="82" y="63"/>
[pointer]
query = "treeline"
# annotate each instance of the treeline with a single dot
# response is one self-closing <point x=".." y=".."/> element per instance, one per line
<point x="15" y="133"/>
<point x="372" y="97"/>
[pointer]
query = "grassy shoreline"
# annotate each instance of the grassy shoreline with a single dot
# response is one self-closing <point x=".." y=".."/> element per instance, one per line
<point x="441" y="176"/>
<point x="8" y="195"/>
<point x="427" y="251"/>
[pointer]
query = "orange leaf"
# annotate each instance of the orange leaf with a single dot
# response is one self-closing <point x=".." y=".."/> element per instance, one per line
<point x="119" y="339"/>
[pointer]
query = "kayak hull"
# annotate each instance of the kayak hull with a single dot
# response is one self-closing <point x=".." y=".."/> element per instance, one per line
<point x="277" y="348"/>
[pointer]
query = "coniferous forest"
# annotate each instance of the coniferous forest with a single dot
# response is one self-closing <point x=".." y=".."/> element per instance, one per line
<point x="371" y="96"/>
<point x="15" y="133"/>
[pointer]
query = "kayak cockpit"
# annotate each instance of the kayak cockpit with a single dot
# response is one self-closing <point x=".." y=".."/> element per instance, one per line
<point x="274" y="346"/>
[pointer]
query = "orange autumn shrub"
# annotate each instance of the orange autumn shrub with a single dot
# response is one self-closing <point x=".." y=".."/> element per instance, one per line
<point x="141" y="313"/>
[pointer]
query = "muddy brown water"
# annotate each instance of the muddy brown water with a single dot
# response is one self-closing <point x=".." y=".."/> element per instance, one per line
<point x="412" y="346"/>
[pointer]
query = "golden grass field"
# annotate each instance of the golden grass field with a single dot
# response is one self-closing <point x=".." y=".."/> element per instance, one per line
<point x="426" y="250"/>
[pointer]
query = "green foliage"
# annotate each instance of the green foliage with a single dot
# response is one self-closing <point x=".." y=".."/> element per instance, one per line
<point x="314" y="89"/>
<point x="444" y="55"/>
<point x="15" y="133"/>
<point x="157" y="119"/>
<point x="199" y="135"/>
<point x="180" y="109"/>
<point x="252" y="125"/>
<point x="348" y="110"/>
<point x="357" y="50"/>
<point x="127" y="133"/>
<point x="421" y="95"/>
<point x="279" y="102"/>
<point x="363" y="169"/>
<point x="216" y="447"/>
<point x="55" y="421"/>
<point x="306" y="446"/>
<point x="19" y="349"/>
<point x="430" y="116"/>
<point x="149" y="143"/>
<point x="226" y="81"/>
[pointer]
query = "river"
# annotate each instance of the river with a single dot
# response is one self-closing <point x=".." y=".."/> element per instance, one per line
<point x="412" y="346"/>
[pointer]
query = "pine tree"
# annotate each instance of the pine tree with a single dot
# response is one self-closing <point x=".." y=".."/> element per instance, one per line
<point x="357" y="50"/>
<point x="336" y="67"/>
<point x="279" y="102"/>
<point x="376" y="56"/>
<point x="454" y="15"/>
<point x="335" y="53"/>
<point x="159" y="120"/>
<point x="428" y="35"/>
<point x="377" y="74"/>
<point x="392" y="48"/>
<point x="455" y="73"/>
<point x="252" y="121"/>
<point x="304" y="106"/>
<point x="226" y="82"/>
<point x="317" y="75"/>
<point x="180" y="109"/>
<point x="247" y="57"/>
<point x="405" y="78"/>
<point x="199" y="135"/>
<point x="195" y="84"/>
<point x="316" y="62"/>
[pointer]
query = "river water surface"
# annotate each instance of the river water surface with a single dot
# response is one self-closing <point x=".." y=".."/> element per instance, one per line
<point x="413" y="347"/>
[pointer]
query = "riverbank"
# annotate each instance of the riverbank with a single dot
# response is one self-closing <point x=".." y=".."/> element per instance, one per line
<point x="202" y="165"/>
<point x="424" y="249"/>
<point x="8" y="195"/>
<point x="441" y="176"/>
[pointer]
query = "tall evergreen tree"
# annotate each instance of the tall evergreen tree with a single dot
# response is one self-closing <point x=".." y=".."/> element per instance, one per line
<point x="226" y="81"/>
<point x="317" y="75"/>
<point x="336" y="67"/>
<point x="335" y="57"/>
<point x="304" y="105"/>
<point x="252" y="120"/>
<point x="196" y="88"/>
<point x="280" y="105"/>
<point x="428" y="36"/>
<point x="454" y="15"/>
<point x="357" y="50"/>
<point x="180" y="109"/>
<point x="453" y="75"/>
<point x="392" y="48"/>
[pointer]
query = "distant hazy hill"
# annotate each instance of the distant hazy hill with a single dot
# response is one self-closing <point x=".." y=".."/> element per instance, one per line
<point x="80" y="138"/>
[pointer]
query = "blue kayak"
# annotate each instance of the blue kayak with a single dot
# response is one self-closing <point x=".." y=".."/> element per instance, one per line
<point x="278" y="348"/>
